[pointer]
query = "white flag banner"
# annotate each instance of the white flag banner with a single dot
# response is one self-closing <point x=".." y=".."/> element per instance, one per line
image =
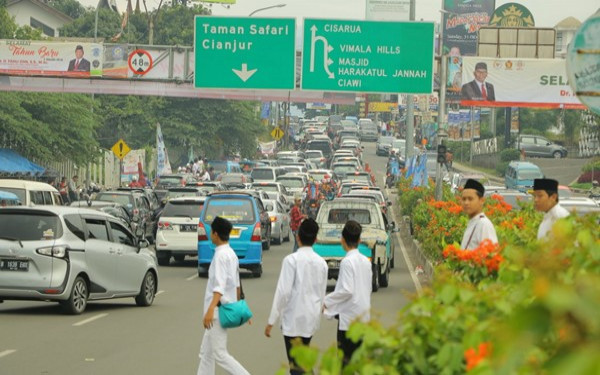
<point x="267" y="148"/>
<point x="163" y="165"/>
<point x="535" y="83"/>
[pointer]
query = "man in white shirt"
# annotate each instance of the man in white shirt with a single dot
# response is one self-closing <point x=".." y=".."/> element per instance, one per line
<point x="223" y="286"/>
<point x="300" y="292"/>
<point x="351" y="299"/>
<point x="195" y="167"/>
<point x="479" y="227"/>
<point x="545" y="198"/>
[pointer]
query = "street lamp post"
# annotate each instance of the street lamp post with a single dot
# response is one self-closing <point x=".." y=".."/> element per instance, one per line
<point x="441" y="106"/>
<point x="265" y="8"/>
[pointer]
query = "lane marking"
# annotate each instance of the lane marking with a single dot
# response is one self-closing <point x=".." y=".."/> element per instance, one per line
<point x="7" y="352"/>
<point x="409" y="264"/>
<point x="159" y="292"/>
<point x="195" y="276"/>
<point x="88" y="320"/>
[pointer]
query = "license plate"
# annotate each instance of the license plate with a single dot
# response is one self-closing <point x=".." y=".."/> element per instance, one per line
<point x="235" y="232"/>
<point x="14" y="265"/>
<point x="188" y="228"/>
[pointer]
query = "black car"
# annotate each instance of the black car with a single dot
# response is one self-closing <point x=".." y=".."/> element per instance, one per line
<point x="137" y="206"/>
<point x="115" y="209"/>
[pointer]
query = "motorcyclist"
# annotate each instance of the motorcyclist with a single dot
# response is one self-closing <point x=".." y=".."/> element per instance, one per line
<point x="595" y="190"/>
<point x="393" y="169"/>
<point x="327" y="188"/>
<point x="312" y="194"/>
<point x="135" y="183"/>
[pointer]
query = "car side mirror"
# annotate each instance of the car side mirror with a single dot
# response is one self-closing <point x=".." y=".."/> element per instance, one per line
<point x="143" y="244"/>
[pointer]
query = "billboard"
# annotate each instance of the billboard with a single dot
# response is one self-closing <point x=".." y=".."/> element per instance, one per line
<point x="462" y="20"/>
<point x="535" y="83"/>
<point x="388" y="10"/>
<point x="37" y="57"/>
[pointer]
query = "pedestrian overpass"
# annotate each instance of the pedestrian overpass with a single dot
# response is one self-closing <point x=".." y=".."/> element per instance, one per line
<point x="157" y="71"/>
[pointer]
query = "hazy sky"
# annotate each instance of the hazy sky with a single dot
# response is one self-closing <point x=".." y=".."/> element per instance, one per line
<point x="547" y="13"/>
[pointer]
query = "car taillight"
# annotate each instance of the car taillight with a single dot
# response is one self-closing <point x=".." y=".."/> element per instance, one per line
<point x="273" y="219"/>
<point x="136" y="212"/>
<point x="256" y="233"/>
<point x="202" y="233"/>
<point x="164" y="225"/>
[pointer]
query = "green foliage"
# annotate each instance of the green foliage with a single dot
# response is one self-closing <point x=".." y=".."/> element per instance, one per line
<point x="538" y="316"/>
<point x="8" y="27"/>
<point x="510" y="154"/>
<point x="49" y="126"/>
<point x="592" y="164"/>
<point x="71" y="8"/>
<point x="506" y="156"/>
<point x="109" y="24"/>
<point x="175" y="25"/>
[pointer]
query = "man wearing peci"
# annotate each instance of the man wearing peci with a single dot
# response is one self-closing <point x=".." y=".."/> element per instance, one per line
<point x="79" y="64"/>
<point x="478" y="89"/>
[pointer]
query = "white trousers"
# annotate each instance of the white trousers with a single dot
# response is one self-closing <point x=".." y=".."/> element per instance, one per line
<point x="214" y="351"/>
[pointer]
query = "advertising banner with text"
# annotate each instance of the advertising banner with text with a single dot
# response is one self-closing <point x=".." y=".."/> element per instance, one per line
<point x="36" y="57"/>
<point x="462" y="20"/>
<point x="535" y="83"/>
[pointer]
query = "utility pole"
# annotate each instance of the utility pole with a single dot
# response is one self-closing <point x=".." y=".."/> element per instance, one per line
<point x="410" y="107"/>
<point x="441" y="132"/>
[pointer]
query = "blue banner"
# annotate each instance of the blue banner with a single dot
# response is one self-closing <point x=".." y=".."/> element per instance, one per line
<point x="265" y="111"/>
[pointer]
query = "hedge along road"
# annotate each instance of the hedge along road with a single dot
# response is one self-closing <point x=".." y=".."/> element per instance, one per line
<point x="116" y="337"/>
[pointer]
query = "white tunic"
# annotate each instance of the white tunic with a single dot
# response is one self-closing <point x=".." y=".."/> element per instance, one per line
<point x="550" y="217"/>
<point x="299" y="294"/>
<point x="351" y="298"/>
<point x="478" y="229"/>
<point x="223" y="277"/>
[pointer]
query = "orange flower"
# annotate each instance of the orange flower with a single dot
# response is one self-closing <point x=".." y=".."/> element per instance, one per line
<point x="473" y="357"/>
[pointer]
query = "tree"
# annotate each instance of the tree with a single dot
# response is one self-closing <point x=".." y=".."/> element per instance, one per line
<point x="8" y="27"/>
<point x="71" y="8"/>
<point x="49" y="126"/>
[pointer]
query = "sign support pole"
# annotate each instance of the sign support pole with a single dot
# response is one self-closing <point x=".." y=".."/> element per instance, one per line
<point x="410" y="106"/>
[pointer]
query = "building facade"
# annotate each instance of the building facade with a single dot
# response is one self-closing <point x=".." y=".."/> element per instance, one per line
<point x="38" y="15"/>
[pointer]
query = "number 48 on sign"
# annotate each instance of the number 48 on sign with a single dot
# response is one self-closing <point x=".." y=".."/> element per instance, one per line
<point x="140" y="61"/>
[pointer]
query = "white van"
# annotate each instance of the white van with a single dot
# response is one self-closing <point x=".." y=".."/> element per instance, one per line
<point x="32" y="193"/>
<point x="368" y="130"/>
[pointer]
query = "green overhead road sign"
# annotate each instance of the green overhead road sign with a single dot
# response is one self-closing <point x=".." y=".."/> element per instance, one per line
<point x="367" y="56"/>
<point x="244" y="53"/>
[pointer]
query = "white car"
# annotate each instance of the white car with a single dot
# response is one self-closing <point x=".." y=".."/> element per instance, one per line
<point x="280" y="221"/>
<point x="177" y="229"/>
<point x="71" y="256"/>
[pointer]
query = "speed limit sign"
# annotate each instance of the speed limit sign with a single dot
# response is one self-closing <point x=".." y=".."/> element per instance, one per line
<point x="140" y="61"/>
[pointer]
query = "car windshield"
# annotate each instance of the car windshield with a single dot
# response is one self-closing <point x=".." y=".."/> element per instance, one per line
<point x="398" y="143"/>
<point x="313" y="154"/>
<point x="342" y="215"/>
<point x="386" y="140"/>
<point x="343" y="169"/>
<point x="232" y="178"/>
<point x="262" y="174"/>
<point x="359" y="177"/>
<point x="291" y="182"/>
<point x="318" y="176"/>
<point x="170" y="180"/>
<point x="530" y="175"/>
<point x="219" y="167"/>
<point x="347" y="188"/>
<point x="16" y="191"/>
<point x="265" y="187"/>
<point x="178" y="194"/>
<point x="183" y="209"/>
<point x="122" y="199"/>
<point x="29" y="226"/>
<point x="238" y="211"/>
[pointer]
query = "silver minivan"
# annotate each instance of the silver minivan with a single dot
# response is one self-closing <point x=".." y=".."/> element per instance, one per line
<point x="368" y="130"/>
<point x="71" y="256"/>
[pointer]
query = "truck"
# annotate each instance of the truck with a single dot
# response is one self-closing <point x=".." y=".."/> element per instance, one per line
<point x="376" y="238"/>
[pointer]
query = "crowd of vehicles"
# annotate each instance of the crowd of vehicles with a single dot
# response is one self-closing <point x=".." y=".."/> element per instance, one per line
<point x="99" y="247"/>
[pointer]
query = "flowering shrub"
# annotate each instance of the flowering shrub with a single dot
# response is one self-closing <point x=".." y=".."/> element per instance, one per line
<point x="476" y="264"/>
<point x="474" y="357"/>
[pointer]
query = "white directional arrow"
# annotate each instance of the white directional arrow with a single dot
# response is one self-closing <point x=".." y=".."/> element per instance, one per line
<point x="244" y="74"/>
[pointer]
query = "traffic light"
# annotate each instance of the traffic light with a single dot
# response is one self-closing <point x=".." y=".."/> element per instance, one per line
<point x="441" y="154"/>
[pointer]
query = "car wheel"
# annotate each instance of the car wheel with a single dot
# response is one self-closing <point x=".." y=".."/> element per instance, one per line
<point x="203" y="270"/>
<point x="77" y="301"/>
<point x="163" y="258"/>
<point x="257" y="271"/>
<point x="280" y="238"/>
<point x="179" y="257"/>
<point x="147" y="290"/>
<point x="393" y="260"/>
<point x="557" y="154"/>
<point x="384" y="278"/>
<point x="267" y="244"/>
<point x="375" y="270"/>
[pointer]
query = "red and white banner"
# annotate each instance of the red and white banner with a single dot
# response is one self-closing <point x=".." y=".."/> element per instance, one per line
<point x="37" y="57"/>
<point x="535" y="83"/>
